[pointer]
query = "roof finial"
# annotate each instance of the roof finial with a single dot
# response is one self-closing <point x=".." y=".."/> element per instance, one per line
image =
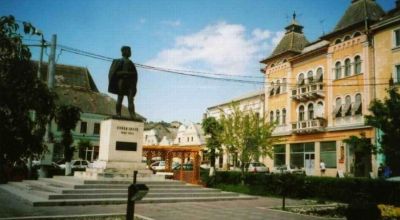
<point x="294" y="15"/>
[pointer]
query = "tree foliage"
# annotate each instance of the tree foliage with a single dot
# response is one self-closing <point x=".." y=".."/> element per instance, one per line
<point x="213" y="129"/>
<point x="66" y="117"/>
<point x="26" y="104"/>
<point x="386" y="117"/>
<point x="362" y="148"/>
<point x="247" y="134"/>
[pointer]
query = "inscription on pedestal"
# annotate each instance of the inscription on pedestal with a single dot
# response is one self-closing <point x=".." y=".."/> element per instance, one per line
<point x="126" y="146"/>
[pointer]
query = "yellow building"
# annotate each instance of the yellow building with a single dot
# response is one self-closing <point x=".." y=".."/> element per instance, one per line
<point x="319" y="92"/>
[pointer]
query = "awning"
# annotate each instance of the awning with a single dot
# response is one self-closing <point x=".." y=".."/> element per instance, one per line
<point x="356" y="107"/>
<point x="300" y="81"/>
<point x="347" y="108"/>
<point x="337" y="109"/>
<point x="318" y="77"/>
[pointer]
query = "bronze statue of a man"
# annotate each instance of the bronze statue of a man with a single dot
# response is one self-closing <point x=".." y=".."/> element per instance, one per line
<point x="123" y="80"/>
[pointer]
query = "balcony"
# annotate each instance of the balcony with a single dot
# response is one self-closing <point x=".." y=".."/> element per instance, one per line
<point x="308" y="92"/>
<point x="309" y="126"/>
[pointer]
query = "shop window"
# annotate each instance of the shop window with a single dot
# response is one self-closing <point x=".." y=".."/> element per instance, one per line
<point x="297" y="153"/>
<point x="279" y="155"/>
<point x="328" y="153"/>
<point x="347" y="67"/>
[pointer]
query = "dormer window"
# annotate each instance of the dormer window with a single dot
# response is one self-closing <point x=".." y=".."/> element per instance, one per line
<point x="338" y="41"/>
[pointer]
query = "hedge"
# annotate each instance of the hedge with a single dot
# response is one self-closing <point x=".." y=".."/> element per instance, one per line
<point x="346" y="190"/>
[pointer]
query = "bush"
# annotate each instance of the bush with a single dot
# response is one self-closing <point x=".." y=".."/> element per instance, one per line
<point x="323" y="188"/>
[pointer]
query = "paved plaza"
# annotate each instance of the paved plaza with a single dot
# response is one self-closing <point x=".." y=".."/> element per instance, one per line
<point x="12" y="207"/>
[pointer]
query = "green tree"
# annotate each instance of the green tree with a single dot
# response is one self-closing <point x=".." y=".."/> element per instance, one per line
<point x="212" y="128"/>
<point x="362" y="148"/>
<point x="386" y="117"/>
<point x="67" y="116"/>
<point x="248" y="135"/>
<point x="82" y="145"/>
<point x="26" y="104"/>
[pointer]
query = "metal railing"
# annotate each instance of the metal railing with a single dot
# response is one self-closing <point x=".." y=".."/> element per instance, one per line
<point x="309" y="126"/>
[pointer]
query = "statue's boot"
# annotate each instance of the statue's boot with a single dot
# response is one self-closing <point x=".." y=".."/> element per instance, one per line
<point x="118" y="108"/>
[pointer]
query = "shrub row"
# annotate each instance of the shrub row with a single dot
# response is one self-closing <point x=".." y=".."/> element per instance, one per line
<point x="347" y="190"/>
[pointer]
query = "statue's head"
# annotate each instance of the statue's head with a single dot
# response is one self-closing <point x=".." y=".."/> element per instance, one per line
<point x="126" y="51"/>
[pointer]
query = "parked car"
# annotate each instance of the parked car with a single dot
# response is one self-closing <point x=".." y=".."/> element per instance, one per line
<point x="256" y="167"/>
<point x="288" y="169"/>
<point x="158" y="165"/>
<point x="77" y="164"/>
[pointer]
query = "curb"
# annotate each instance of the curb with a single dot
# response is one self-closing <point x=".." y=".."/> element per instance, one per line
<point x="86" y="217"/>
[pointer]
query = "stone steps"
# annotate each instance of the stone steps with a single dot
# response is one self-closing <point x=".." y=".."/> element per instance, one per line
<point x="60" y="191"/>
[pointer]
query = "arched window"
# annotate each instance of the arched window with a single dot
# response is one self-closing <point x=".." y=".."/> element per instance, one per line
<point x="338" y="70"/>
<point x="310" y="109"/>
<point x="284" y="85"/>
<point x="357" y="65"/>
<point x="271" y="116"/>
<point x="301" y="79"/>
<point x="301" y="113"/>
<point x="319" y="111"/>
<point x="310" y="77"/>
<point x="357" y="34"/>
<point x="337" y="112"/>
<point x="358" y="105"/>
<point x="347" y="67"/>
<point x="347" y="37"/>
<point x="278" y="115"/>
<point x="278" y="87"/>
<point x="347" y="106"/>
<point x="272" y="65"/>
<point x="284" y="116"/>
<point x="338" y="41"/>
<point x="319" y="77"/>
<point x="284" y="60"/>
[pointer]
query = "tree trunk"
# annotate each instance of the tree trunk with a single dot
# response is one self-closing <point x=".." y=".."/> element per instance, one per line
<point x="242" y="173"/>
<point x="283" y="202"/>
<point x="212" y="171"/>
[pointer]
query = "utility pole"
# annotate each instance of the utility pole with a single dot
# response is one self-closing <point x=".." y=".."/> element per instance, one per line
<point x="41" y="56"/>
<point x="52" y="62"/>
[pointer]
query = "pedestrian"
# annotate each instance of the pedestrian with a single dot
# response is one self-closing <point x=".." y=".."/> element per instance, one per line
<point x="380" y="170"/>
<point x="322" y="167"/>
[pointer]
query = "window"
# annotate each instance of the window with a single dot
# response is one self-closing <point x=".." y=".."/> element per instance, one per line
<point x="279" y="155"/>
<point x="347" y="37"/>
<point x="338" y="41"/>
<point x="278" y="87"/>
<point x="284" y="85"/>
<point x="301" y="113"/>
<point x="358" y="105"/>
<point x="297" y="153"/>
<point x="301" y="79"/>
<point x="338" y="70"/>
<point x="328" y="153"/>
<point x="179" y="140"/>
<point x="319" y="76"/>
<point x="96" y="128"/>
<point x="397" y="38"/>
<point x="278" y="115"/>
<point x="310" y="77"/>
<point x="284" y="116"/>
<point x="192" y="139"/>
<point x="397" y="76"/>
<point x="357" y="65"/>
<point x="319" y="112"/>
<point x="347" y="67"/>
<point x="310" y="111"/>
<point x="337" y="112"/>
<point x="347" y="106"/>
<point x="271" y="90"/>
<point x="83" y="127"/>
<point x="271" y="116"/>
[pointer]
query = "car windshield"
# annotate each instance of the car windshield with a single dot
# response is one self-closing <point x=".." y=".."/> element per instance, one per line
<point x="84" y="163"/>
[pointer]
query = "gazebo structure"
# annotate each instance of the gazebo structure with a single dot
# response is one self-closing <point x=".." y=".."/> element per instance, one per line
<point x="189" y="171"/>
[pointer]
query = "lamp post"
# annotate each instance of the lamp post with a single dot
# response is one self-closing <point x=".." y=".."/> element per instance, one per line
<point x="135" y="193"/>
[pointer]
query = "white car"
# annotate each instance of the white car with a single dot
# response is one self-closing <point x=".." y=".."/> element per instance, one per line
<point x="288" y="169"/>
<point x="158" y="165"/>
<point x="256" y="167"/>
<point x="77" y="164"/>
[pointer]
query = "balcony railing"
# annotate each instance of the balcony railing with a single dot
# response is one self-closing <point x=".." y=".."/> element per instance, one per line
<point x="308" y="91"/>
<point x="309" y="126"/>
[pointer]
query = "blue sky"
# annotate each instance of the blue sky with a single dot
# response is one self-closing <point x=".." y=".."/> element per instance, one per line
<point x="224" y="36"/>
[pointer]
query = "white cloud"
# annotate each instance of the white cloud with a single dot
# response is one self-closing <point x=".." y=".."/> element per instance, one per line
<point x="221" y="47"/>
<point x="176" y="23"/>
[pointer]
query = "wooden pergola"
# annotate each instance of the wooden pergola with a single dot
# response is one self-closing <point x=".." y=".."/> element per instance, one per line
<point x="167" y="153"/>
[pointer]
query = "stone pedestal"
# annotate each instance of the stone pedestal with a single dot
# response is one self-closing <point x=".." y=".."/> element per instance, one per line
<point x="120" y="150"/>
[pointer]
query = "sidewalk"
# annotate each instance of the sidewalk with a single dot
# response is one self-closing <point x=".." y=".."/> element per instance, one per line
<point x="233" y="210"/>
